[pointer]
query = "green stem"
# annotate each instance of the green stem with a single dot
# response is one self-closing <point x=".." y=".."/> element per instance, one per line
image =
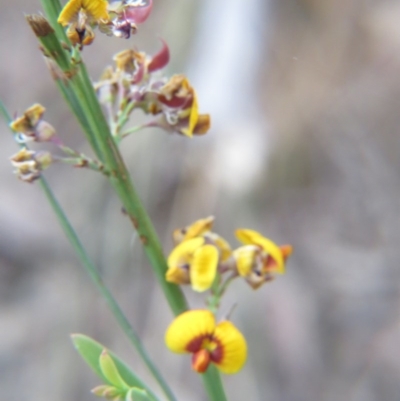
<point x="213" y="384"/>
<point x="96" y="278"/>
<point x="131" y="130"/>
<point x="105" y="292"/>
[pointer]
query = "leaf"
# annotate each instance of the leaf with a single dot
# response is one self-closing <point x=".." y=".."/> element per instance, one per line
<point x="90" y="350"/>
<point x="136" y="394"/>
<point x="110" y="371"/>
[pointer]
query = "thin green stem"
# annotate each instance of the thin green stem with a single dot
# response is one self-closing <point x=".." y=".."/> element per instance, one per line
<point x="96" y="278"/>
<point x="213" y="384"/>
<point x="131" y="130"/>
<point x="105" y="292"/>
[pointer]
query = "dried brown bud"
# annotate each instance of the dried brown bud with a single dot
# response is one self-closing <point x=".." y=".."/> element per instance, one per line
<point x="39" y="24"/>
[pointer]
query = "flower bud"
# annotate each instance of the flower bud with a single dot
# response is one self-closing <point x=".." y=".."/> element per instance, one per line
<point x="29" y="164"/>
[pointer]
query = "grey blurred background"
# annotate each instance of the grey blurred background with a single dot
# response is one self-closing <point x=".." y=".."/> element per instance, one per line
<point x="305" y="104"/>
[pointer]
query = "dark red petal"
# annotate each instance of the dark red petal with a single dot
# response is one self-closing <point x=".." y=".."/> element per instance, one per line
<point x="160" y="59"/>
<point x="139" y="14"/>
<point x="139" y="74"/>
<point x="176" y="102"/>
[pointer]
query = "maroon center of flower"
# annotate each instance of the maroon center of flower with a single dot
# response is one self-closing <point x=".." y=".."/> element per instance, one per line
<point x="209" y="343"/>
<point x="196" y="344"/>
<point x="217" y="353"/>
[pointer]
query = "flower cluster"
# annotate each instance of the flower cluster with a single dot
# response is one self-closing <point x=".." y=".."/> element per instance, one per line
<point x="28" y="163"/>
<point x="203" y="259"/>
<point x="200" y="256"/>
<point x="30" y="127"/>
<point x="115" y="18"/>
<point x="132" y="84"/>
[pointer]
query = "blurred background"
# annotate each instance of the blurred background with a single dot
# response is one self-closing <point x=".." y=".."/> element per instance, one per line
<point x="305" y="103"/>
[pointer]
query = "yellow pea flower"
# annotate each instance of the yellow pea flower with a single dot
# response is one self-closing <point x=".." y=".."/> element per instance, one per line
<point x="196" y="332"/>
<point x="79" y="16"/>
<point x="260" y="258"/>
<point x="193" y="261"/>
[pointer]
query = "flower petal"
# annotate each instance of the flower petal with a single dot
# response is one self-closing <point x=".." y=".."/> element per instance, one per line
<point x="97" y="9"/>
<point x="222" y="245"/>
<point x="137" y="11"/>
<point x="183" y="252"/>
<point x="203" y="124"/>
<point x="193" y="117"/>
<point x="178" y="275"/>
<point x="245" y="258"/>
<point x="251" y="237"/>
<point x="286" y="250"/>
<point x="187" y="328"/>
<point x="196" y="229"/>
<point x="160" y="59"/>
<point x="69" y="12"/>
<point x="234" y="348"/>
<point x="204" y="267"/>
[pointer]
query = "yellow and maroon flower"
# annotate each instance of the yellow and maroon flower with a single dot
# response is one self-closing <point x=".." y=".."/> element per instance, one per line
<point x="260" y="258"/>
<point x="177" y="101"/>
<point x="31" y="125"/>
<point x="197" y="255"/>
<point x="80" y="16"/>
<point x="196" y="332"/>
<point x="193" y="261"/>
<point x="138" y="65"/>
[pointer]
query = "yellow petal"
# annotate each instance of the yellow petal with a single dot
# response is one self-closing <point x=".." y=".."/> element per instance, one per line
<point x="204" y="267"/>
<point x="97" y="9"/>
<point x="34" y="113"/>
<point x="196" y="229"/>
<point x="29" y="120"/>
<point x="251" y="237"/>
<point x="188" y="327"/>
<point x="177" y="275"/>
<point x="245" y="257"/>
<point x="183" y="252"/>
<point x="221" y="244"/>
<point x="21" y="124"/>
<point x="203" y="124"/>
<point x="69" y="12"/>
<point x="194" y="116"/>
<point x="234" y="348"/>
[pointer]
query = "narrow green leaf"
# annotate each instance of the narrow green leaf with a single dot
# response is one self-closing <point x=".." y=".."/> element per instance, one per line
<point x="137" y="394"/>
<point x="90" y="350"/>
<point x="110" y="371"/>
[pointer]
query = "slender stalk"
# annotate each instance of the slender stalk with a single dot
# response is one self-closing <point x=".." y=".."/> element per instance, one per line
<point x="213" y="384"/>
<point x="105" y="292"/>
<point x="97" y="280"/>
